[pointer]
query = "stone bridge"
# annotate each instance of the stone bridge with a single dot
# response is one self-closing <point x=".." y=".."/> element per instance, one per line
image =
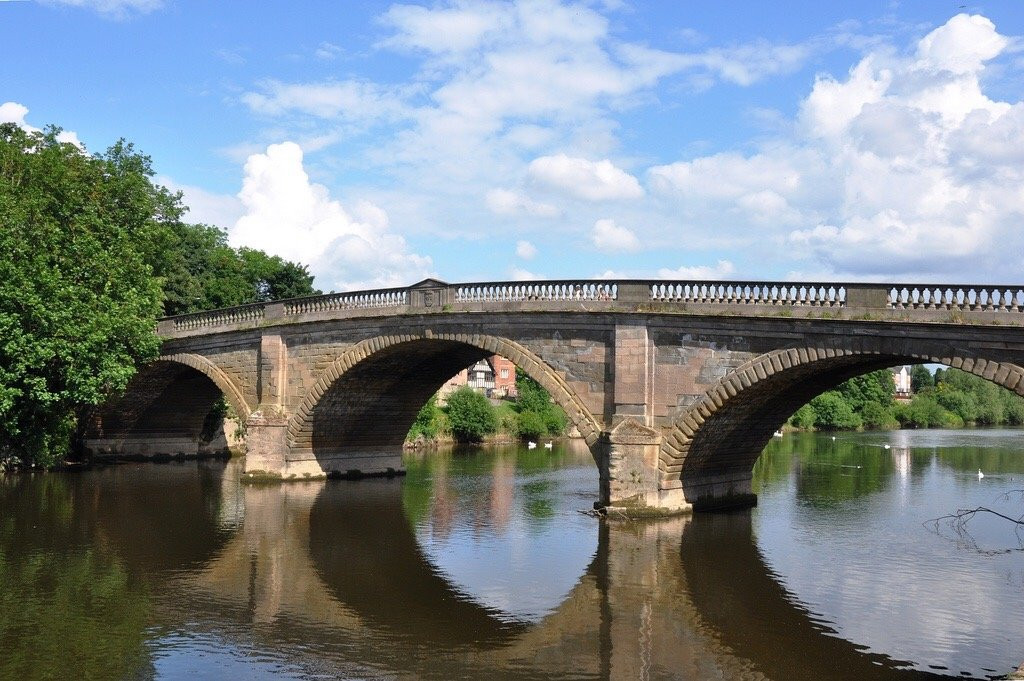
<point x="676" y="386"/>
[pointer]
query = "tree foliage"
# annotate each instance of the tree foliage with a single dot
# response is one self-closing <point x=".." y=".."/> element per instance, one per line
<point x="470" y="415"/>
<point x="833" y="412"/>
<point x="78" y="301"/>
<point x="428" y="421"/>
<point x="950" y="399"/>
<point x="920" y="378"/>
<point x="538" y="415"/>
<point x="200" y="271"/>
<point x="93" y="251"/>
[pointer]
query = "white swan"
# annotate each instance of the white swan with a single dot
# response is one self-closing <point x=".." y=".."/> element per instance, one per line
<point x="885" y="446"/>
<point x="980" y="474"/>
<point x="547" y="445"/>
<point x="531" y="445"/>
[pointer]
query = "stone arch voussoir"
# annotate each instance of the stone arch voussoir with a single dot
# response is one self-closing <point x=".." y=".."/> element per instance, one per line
<point x="302" y="420"/>
<point x="216" y="374"/>
<point x="676" y="444"/>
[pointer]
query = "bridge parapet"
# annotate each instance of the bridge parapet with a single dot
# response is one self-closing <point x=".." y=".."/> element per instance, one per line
<point x="970" y="303"/>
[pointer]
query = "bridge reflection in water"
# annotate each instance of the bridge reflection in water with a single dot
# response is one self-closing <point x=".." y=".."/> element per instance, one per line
<point x="332" y="576"/>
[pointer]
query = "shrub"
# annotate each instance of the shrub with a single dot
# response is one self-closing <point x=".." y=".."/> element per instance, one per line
<point x="470" y="415"/>
<point x="803" y="418"/>
<point x="427" y="423"/>
<point x="531" y="425"/>
<point x="877" y="417"/>
<point x="832" y="412"/>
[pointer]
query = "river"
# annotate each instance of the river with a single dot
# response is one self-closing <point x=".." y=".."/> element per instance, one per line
<point x="479" y="564"/>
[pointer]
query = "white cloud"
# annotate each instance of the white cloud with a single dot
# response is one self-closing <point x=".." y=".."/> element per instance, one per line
<point x="583" y="179"/>
<point x="346" y="100"/>
<point x="115" y="9"/>
<point x="611" y="238"/>
<point x="720" y="270"/>
<point x="905" y="167"/>
<point x="525" y="250"/>
<point x="287" y="215"/>
<point x="443" y="30"/>
<point x="519" y="274"/>
<point x="219" y="210"/>
<point x="327" y="51"/>
<point x="509" y="202"/>
<point x="13" y="112"/>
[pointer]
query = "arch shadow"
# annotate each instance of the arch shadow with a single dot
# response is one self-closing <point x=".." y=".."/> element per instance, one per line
<point x="163" y="410"/>
<point x="367" y="555"/>
<point x="737" y="595"/>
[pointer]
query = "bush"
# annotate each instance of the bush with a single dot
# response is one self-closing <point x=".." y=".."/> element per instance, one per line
<point x="877" y="417"/>
<point x="803" y="418"/>
<point x="538" y="415"/>
<point x="531" y="425"/>
<point x="926" y="412"/>
<point x="832" y="412"/>
<point x="961" y="403"/>
<point x="470" y="415"/>
<point x="427" y="423"/>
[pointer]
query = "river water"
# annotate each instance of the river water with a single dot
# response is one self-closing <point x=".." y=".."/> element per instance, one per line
<point x="478" y="564"/>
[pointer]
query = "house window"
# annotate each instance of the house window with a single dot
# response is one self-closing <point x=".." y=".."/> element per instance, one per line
<point x="504" y="373"/>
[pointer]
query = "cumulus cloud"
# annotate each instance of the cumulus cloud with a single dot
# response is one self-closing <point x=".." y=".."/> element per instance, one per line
<point x="287" y="215"/>
<point x="902" y="167"/>
<point x="583" y="179"/>
<point x="13" y="112"/>
<point x="209" y="208"/>
<point x="509" y="202"/>
<point x="611" y="238"/>
<point x="525" y="250"/>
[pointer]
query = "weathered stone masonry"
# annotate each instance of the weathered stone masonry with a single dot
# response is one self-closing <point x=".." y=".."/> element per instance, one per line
<point x="676" y="386"/>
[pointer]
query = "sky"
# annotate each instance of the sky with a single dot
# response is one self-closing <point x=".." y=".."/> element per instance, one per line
<point x="383" y="143"/>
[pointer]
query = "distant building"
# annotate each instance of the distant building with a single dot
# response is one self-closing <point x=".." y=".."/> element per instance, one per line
<point x="494" y="376"/>
<point x="901" y="378"/>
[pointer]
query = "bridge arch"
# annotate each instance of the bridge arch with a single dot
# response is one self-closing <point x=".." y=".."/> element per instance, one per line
<point x="711" y="448"/>
<point x="164" y="408"/>
<point x="213" y="372"/>
<point x="396" y="375"/>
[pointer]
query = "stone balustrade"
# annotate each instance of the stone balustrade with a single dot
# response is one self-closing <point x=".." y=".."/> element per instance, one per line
<point x="229" y="315"/>
<point x="705" y="297"/>
<point x="964" y="298"/>
<point x="515" y="291"/>
<point x="354" y="300"/>
<point x="748" y="293"/>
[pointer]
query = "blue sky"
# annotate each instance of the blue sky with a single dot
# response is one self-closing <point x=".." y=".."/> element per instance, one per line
<point x="380" y="143"/>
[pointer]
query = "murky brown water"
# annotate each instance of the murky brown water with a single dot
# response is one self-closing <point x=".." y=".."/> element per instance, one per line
<point x="479" y="565"/>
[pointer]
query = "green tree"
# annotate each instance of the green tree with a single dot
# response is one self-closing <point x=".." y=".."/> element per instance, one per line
<point x="877" y="416"/>
<point x="876" y="386"/>
<point x="530" y="425"/>
<point x="427" y="423"/>
<point x="538" y="415"/>
<point x="920" y="378"/>
<point x="803" y="418"/>
<point x="833" y="412"/>
<point x="470" y="415"/>
<point x="78" y="301"/>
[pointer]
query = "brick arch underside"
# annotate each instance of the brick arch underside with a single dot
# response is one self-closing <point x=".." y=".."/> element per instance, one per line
<point x="725" y="431"/>
<point x="169" y="398"/>
<point x="369" y="397"/>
